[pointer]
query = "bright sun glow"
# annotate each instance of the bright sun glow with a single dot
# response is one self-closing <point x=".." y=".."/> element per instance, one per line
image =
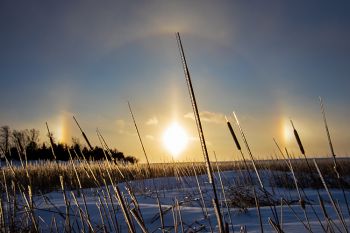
<point x="175" y="139"/>
<point x="59" y="134"/>
<point x="287" y="131"/>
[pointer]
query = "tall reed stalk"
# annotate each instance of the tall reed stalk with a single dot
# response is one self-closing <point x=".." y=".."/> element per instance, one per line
<point x="267" y="195"/>
<point x="335" y="206"/>
<point x="52" y="143"/>
<point x="149" y="171"/>
<point x="297" y="138"/>
<point x="200" y="133"/>
<point x="83" y="133"/>
<point x="340" y="179"/>
<point x="223" y="192"/>
<point x="301" y="199"/>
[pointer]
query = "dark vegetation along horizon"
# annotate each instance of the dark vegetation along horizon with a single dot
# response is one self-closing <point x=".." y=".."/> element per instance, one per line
<point x="25" y="145"/>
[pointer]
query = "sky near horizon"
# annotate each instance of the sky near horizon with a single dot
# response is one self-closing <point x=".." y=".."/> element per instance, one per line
<point x="268" y="61"/>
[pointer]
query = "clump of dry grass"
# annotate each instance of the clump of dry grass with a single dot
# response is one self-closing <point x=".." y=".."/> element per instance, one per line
<point x="302" y="172"/>
<point x="44" y="176"/>
<point x="243" y="197"/>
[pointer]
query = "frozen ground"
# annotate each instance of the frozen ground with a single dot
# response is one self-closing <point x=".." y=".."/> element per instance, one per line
<point x="185" y="190"/>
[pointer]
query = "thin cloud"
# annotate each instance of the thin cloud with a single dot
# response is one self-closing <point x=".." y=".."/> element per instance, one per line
<point x="152" y="121"/>
<point x="120" y="123"/>
<point x="122" y="126"/>
<point x="125" y="132"/>
<point x="150" y="137"/>
<point x="211" y="117"/>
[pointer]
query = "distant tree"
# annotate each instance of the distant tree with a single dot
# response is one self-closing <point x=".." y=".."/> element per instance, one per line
<point x="44" y="152"/>
<point x="5" y="135"/>
<point x="76" y="145"/>
<point x="33" y="136"/>
<point x="62" y="152"/>
<point x="19" y="143"/>
<point x="85" y="151"/>
<point x="33" y="143"/>
<point x="117" y="155"/>
<point x="131" y="159"/>
<point x="14" y="153"/>
<point x="20" y="139"/>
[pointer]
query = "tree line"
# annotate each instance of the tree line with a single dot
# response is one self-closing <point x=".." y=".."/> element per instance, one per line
<point x="25" y="144"/>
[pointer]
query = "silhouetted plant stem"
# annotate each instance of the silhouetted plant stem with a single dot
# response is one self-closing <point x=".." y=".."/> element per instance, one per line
<point x="273" y="207"/>
<point x="340" y="179"/>
<point x="336" y="208"/>
<point x="313" y="177"/>
<point x="301" y="200"/>
<point x="203" y="205"/>
<point x="67" y="224"/>
<point x="223" y="192"/>
<point x="84" y="135"/>
<point x="326" y="216"/>
<point x="124" y="210"/>
<point x="249" y="174"/>
<point x="275" y="226"/>
<point x="249" y="151"/>
<point x="52" y="144"/>
<point x="296" y="183"/>
<point x="200" y="132"/>
<point x="257" y="204"/>
<point x="149" y="171"/>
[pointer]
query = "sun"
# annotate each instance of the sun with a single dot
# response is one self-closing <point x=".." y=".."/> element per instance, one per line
<point x="175" y="139"/>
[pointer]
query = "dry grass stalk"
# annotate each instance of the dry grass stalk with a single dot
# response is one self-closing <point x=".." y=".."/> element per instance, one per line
<point x="79" y="210"/>
<point x="138" y="220"/>
<point x="52" y="144"/>
<point x="267" y="194"/>
<point x="84" y="215"/>
<point x="337" y="210"/>
<point x="124" y="209"/>
<point x="67" y="224"/>
<point x="335" y="167"/>
<point x="200" y="132"/>
<point x="113" y="213"/>
<point x="223" y="192"/>
<point x="84" y="135"/>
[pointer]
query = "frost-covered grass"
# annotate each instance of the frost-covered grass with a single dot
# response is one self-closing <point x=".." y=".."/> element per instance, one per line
<point x="87" y="200"/>
<point x="44" y="175"/>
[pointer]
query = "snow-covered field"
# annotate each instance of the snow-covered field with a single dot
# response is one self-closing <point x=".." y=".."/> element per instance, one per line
<point x="50" y="209"/>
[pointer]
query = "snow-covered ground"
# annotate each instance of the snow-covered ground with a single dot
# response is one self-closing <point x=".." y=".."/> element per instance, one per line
<point x="185" y="190"/>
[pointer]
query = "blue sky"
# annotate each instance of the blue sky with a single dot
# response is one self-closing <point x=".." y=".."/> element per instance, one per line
<point x="266" y="60"/>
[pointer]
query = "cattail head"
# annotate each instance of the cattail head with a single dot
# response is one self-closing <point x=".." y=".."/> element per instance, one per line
<point x="233" y="134"/>
<point x="298" y="139"/>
